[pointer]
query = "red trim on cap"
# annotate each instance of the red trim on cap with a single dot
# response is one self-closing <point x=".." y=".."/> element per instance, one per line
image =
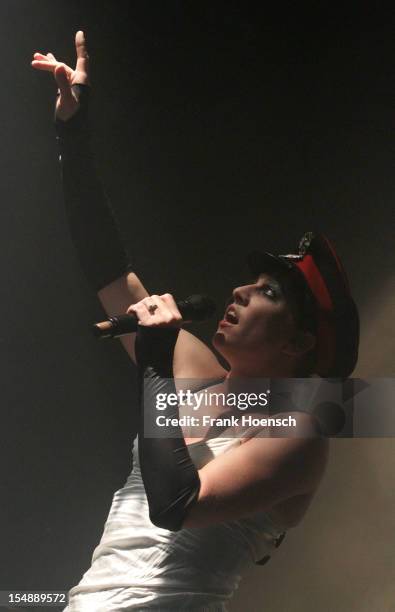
<point x="338" y="262"/>
<point x="326" y="340"/>
<point x="315" y="281"/>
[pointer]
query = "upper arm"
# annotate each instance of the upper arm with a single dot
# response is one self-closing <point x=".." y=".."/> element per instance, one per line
<point x="255" y="477"/>
<point x="192" y="358"/>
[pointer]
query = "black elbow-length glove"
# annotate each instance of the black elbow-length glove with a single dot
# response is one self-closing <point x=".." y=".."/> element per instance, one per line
<point x="170" y="477"/>
<point x="93" y="226"/>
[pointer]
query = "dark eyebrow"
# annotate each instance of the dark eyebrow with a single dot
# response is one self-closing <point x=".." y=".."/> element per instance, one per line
<point x="272" y="282"/>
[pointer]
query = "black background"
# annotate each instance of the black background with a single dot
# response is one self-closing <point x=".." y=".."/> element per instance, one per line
<point x="219" y="128"/>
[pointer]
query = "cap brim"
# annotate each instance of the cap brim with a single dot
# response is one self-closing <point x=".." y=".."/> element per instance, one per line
<point x="260" y="262"/>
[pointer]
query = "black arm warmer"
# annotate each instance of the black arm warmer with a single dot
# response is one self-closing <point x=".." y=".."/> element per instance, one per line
<point x="92" y="224"/>
<point x="170" y="478"/>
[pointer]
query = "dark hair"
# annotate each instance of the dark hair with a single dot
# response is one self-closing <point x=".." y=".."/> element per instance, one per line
<point x="306" y="368"/>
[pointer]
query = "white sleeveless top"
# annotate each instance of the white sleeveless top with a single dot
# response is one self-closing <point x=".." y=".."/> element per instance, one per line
<point x="140" y="566"/>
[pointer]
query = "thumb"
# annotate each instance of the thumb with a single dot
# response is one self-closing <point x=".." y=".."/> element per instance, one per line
<point x="63" y="83"/>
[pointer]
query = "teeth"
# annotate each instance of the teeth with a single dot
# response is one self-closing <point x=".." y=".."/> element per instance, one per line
<point x="231" y="317"/>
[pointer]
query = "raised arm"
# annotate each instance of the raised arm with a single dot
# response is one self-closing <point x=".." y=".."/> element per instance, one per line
<point x="92" y="223"/>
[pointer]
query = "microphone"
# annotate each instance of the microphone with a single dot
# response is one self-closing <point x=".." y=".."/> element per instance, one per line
<point x="194" y="308"/>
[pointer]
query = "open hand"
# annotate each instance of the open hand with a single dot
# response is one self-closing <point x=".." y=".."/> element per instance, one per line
<point x="67" y="102"/>
<point x="157" y="311"/>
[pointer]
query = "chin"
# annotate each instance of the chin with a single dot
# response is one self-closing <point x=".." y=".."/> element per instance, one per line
<point x="221" y="344"/>
<point x="217" y="340"/>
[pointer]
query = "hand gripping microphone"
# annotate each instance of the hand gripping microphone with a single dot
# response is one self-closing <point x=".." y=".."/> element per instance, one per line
<point x="193" y="308"/>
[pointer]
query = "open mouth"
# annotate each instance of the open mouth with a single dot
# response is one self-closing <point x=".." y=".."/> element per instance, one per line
<point x="231" y="316"/>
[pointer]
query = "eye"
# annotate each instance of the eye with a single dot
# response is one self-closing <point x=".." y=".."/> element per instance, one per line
<point x="267" y="290"/>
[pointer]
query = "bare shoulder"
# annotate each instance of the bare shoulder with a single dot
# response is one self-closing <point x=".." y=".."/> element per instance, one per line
<point x="294" y="439"/>
<point x="307" y="454"/>
<point x="292" y="424"/>
<point x="311" y="458"/>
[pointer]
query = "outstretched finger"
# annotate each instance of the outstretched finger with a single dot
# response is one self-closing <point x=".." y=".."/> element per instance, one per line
<point x="82" y="53"/>
<point x="40" y="56"/>
<point x="51" y="57"/>
<point x="42" y="65"/>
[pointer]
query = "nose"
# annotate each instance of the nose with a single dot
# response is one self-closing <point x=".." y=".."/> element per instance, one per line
<point x="241" y="295"/>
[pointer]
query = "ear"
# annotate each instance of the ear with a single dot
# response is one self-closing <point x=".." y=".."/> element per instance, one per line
<point x="301" y="342"/>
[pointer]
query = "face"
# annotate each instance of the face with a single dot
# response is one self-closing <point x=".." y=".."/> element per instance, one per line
<point x="257" y="326"/>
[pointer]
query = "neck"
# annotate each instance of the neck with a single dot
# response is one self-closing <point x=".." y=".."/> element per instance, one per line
<point x="267" y="370"/>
